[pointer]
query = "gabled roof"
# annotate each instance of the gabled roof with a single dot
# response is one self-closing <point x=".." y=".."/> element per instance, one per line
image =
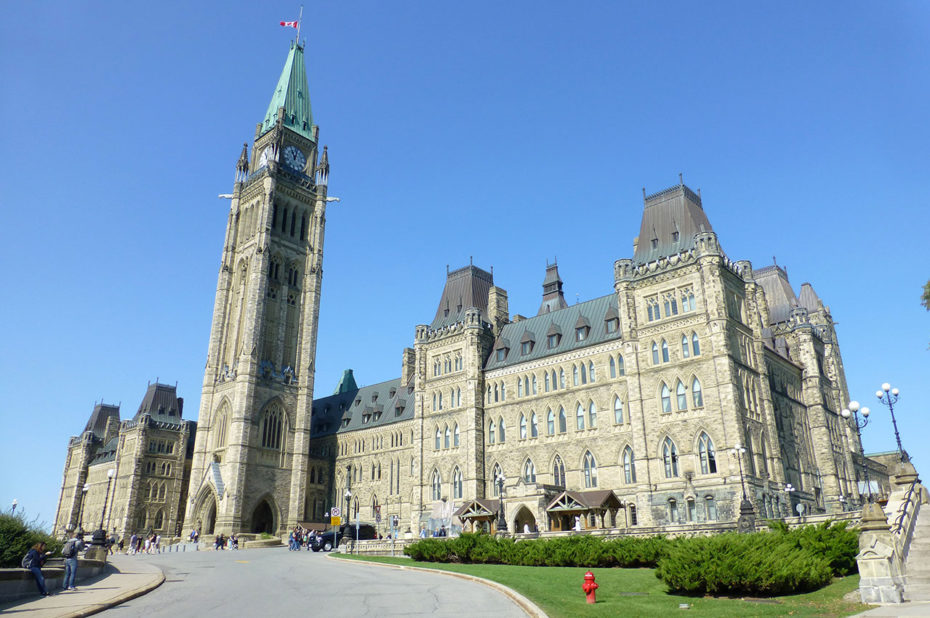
<point x="97" y="423"/>
<point x="362" y="408"/>
<point x="465" y="288"/>
<point x="162" y="403"/>
<point x="478" y="507"/>
<point x="570" y="501"/>
<point x="671" y="218"/>
<point x="561" y="322"/>
<point x="293" y="94"/>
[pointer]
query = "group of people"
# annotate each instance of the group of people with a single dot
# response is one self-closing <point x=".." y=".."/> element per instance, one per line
<point x="148" y="544"/>
<point x="37" y="555"/>
<point x="301" y="537"/>
<point x="221" y="541"/>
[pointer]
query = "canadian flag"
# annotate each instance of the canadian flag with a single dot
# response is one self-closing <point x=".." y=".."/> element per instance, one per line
<point x="289" y="24"/>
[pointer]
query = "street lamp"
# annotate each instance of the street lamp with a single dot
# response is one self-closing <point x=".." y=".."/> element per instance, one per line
<point x="853" y="411"/>
<point x="889" y="396"/>
<point x="747" y="515"/>
<point x="737" y="452"/>
<point x="110" y="473"/>
<point x="789" y="489"/>
<point x="501" y="521"/>
<point x="84" y="491"/>
<point x="348" y="499"/>
<point x="15" y="504"/>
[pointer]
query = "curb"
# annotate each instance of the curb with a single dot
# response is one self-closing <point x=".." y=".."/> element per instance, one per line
<point x="530" y="608"/>
<point x="96" y="608"/>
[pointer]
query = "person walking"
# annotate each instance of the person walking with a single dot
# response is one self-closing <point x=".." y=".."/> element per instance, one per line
<point x="70" y="551"/>
<point x="33" y="560"/>
<point x="133" y="542"/>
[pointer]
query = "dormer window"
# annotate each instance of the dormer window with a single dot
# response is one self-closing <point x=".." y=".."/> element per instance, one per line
<point x="392" y="392"/>
<point x="345" y="421"/>
<point x="612" y="325"/>
<point x="581" y="333"/>
<point x="675" y="236"/>
<point x="655" y="243"/>
<point x="526" y="347"/>
<point x="376" y="416"/>
<point x="398" y="410"/>
<point x="366" y="418"/>
<point x="358" y="401"/>
<point x="501" y="353"/>
<point x="553" y="340"/>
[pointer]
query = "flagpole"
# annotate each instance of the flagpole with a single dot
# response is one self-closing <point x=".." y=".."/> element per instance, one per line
<point x="299" y="18"/>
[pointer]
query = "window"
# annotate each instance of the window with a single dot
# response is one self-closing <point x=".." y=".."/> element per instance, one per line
<point x="546" y="382"/>
<point x="558" y="472"/>
<point x="562" y="423"/>
<point x="526" y="347"/>
<point x="633" y="515"/>
<point x="555" y="383"/>
<point x="652" y="309"/>
<point x="500" y="430"/>
<point x="670" y="458"/>
<point x="534" y="428"/>
<point x="675" y="236"/>
<point x="561" y="378"/>
<point x="690" y="512"/>
<point x="529" y="472"/>
<point x="612" y="325"/>
<point x="501" y="354"/>
<point x="620" y="369"/>
<point x="456" y="483"/>
<point x="579" y="418"/>
<point x="519" y="387"/>
<point x="655" y="353"/>
<point x="552" y="340"/>
<point x="591" y="371"/>
<point x="664" y="351"/>
<point x="491" y="433"/>
<point x="590" y="470"/>
<point x="612" y="364"/>
<point x="447" y="442"/>
<point x="584" y="374"/>
<point x="696" y="396"/>
<point x="159" y="519"/>
<point x="534" y="383"/>
<point x="629" y="466"/>
<point x="695" y="345"/>
<point x="672" y="510"/>
<point x="687" y="300"/>
<point x="711" y="508"/>
<point x="550" y="422"/>
<point x="581" y="333"/>
<point x="708" y="455"/>
<point x="666" y="398"/>
<point x="671" y="304"/>
<point x="272" y="426"/>
<point x="575" y="375"/>
<point x="618" y="410"/>
<point x="592" y="415"/>
<point x="436" y="485"/>
<point x="496" y="472"/>
<point x="685" y="352"/>
<point x="455" y="435"/>
<point x="522" y="426"/>
<point x="681" y="395"/>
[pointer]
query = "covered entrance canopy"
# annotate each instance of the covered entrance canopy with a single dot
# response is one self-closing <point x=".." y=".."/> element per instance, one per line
<point x="480" y="514"/>
<point x="586" y="506"/>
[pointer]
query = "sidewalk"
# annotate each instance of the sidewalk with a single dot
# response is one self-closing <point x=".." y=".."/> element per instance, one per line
<point x="900" y="609"/>
<point x="125" y="578"/>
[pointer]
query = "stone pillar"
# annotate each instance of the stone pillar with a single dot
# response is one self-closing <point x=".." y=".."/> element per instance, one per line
<point x="880" y="567"/>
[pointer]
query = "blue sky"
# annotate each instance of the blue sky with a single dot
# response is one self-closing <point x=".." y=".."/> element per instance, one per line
<point x="513" y="132"/>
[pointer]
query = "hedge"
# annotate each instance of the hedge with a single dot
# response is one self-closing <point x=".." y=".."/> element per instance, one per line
<point x="18" y="535"/>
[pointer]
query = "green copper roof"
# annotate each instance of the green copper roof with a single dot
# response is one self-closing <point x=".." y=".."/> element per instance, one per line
<point x="293" y="94"/>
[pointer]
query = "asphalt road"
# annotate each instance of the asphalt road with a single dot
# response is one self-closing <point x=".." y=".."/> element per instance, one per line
<point x="272" y="583"/>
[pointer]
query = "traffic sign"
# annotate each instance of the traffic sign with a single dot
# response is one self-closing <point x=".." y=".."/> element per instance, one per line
<point x="335" y="512"/>
<point x="335" y="521"/>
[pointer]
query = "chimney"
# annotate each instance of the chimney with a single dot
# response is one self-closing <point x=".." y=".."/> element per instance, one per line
<point x="498" y="312"/>
<point x="409" y="367"/>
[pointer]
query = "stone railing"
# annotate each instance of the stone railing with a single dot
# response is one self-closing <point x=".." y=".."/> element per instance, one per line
<point x="883" y="547"/>
<point x="19" y="583"/>
<point x="379" y="547"/>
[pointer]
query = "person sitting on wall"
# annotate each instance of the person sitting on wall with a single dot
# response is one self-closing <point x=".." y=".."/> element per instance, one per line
<point x="33" y="560"/>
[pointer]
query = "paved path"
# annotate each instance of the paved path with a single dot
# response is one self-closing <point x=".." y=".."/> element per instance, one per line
<point x="275" y="583"/>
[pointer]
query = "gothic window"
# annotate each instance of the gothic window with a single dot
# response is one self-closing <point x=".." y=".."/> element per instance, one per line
<point x="438" y="442"/>
<point x="696" y="395"/>
<point x="695" y="345"/>
<point x="620" y="368"/>
<point x="522" y="426"/>
<point x="272" y="427"/>
<point x="456" y="483"/>
<point x="558" y="472"/>
<point x="652" y="308"/>
<point x="159" y="519"/>
<point x="592" y="415"/>
<point x="303" y="227"/>
<point x="685" y="351"/>
<point x="672" y="511"/>
<point x="534" y="383"/>
<point x="629" y="466"/>
<point x="495" y="472"/>
<point x="529" y="472"/>
<point x="561" y="378"/>
<point x="687" y="300"/>
<point x="690" y="509"/>
<point x="579" y="418"/>
<point x="496" y="393"/>
<point x="666" y="398"/>
<point x="574" y="375"/>
<point x="711" y="508"/>
<point x="613" y="367"/>
<point x="500" y="430"/>
<point x="618" y="410"/>
<point x="681" y="395"/>
<point x="590" y="470"/>
<point x="455" y="435"/>
<point x="590" y="371"/>
<point x="447" y="437"/>
<point x="458" y="396"/>
<point x="664" y="351"/>
<point x="436" y="485"/>
<point x="555" y="383"/>
<point x="670" y="458"/>
<point x="655" y="353"/>
<point x="519" y="387"/>
<point x="546" y="382"/>
<point x="492" y="434"/>
<point x="503" y="392"/>
<point x="534" y="428"/>
<point x="434" y="402"/>
<point x="162" y="491"/>
<point x="562" y="422"/>
<point x="708" y="455"/>
<point x="550" y="423"/>
<point x="671" y="304"/>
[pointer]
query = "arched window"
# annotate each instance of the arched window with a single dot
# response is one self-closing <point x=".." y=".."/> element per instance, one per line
<point x="618" y="410"/>
<point x="697" y="397"/>
<point x="447" y="442"/>
<point x="313" y="475"/>
<point x="456" y="483"/>
<point x="666" y="398"/>
<point x="546" y="381"/>
<point x="550" y="423"/>
<point x="579" y="418"/>
<point x="438" y="439"/>
<point x="526" y="386"/>
<point x="681" y="395"/>
<point x="436" y="485"/>
<point x="555" y="382"/>
<point x="710" y="508"/>
<point x="458" y="396"/>
<point x="708" y="455"/>
<point x="491" y="433"/>
<point x="519" y="387"/>
<point x="664" y="351"/>
<point x="529" y="472"/>
<point x="500" y="430"/>
<point x="534" y="383"/>
<point x="629" y="466"/>
<point x="495" y="472"/>
<point x="590" y="470"/>
<point x="690" y="510"/>
<point x="522" y="426"/>
<point x="159" y="519"/>
<point x="162" y="491"/>
<point x="592" y="415"/>
<point x="455" y="435"/>
<point x="558" y="472"/>
<point x="219" y="427"/>
<point x="561" y="378"/>
<point x="612" y="364"/>
<point x="591" y="371"/>
<point x="584" y="374"/>
<point x="574" y="375"/>
<point x="695" y="345"/>
<point x="670" y="458"/>
<point x="621" y="370"/>
<point x="272" y="427"/>
<point x="655" y="353"/>
<point x="562" y="423"/>
<point x="672" y="510"/>
<point x="440" y="400"/>
<point x="534" y="427"/>
<point x="685" y="352"/>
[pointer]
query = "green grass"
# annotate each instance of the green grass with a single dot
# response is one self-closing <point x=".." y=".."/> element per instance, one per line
<point x="637" y="592"/>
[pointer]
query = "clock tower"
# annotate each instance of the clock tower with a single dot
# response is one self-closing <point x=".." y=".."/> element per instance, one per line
<point x="249" y="468"/>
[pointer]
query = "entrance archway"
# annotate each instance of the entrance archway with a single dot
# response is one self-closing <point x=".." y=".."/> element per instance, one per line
<point x="263" y="518"/>
<point x="209" y="520"/>
<point x="524" y="521"/>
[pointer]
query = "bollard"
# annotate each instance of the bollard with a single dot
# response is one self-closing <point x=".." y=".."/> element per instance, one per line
<point x="590" y="587"/>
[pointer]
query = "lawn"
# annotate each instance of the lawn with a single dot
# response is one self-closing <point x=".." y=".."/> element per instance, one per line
<point x="637" y="592"/>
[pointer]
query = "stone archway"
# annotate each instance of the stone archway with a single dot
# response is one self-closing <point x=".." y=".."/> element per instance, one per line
<point x="524" y="520"/>
<point x="209" y="516"/>
<point x="263" y="518"/>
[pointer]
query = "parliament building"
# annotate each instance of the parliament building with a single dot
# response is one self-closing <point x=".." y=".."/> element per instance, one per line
<point x="694" y="380"/>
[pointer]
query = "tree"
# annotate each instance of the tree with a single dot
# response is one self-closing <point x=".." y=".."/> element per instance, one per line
<point x="925" y="297"/>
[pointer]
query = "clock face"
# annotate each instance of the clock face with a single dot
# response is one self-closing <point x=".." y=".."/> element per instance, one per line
<point x="266" y="157"/>
<point x="294" y="158"/>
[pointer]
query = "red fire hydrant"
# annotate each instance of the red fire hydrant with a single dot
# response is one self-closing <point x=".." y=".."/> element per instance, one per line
<point x="590" y="587"/>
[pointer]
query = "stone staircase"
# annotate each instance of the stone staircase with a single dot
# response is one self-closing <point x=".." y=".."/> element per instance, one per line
<point x="917" y="565"/>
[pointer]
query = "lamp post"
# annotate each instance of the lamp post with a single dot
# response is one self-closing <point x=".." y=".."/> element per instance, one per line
<point x="15" y="504"/>
<point x="789" y="489"/>
<point x="889" y="396"/>
<point x="501" y="521"/>
<point x="747" y="515"/>
<point x="737" y="452"/>
<point x="110" y="474"/>
<point x="84" y="491"/>
<point x="348" y="499"/>
<point x="853" y="411"/>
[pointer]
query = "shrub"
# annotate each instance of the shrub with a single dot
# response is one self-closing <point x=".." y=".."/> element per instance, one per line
<point x="429" y="550"/>
<point x="763" y="564"/>
<point x="832" y="540"/>
<point x="17" y="536"/>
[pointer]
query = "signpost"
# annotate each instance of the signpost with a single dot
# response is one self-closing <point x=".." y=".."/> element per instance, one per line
<point x="335" y="520"/>
<point x="394" y="523"/>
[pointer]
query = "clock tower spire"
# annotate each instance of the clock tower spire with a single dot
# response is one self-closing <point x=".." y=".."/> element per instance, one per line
<point x="249" y="470"/>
